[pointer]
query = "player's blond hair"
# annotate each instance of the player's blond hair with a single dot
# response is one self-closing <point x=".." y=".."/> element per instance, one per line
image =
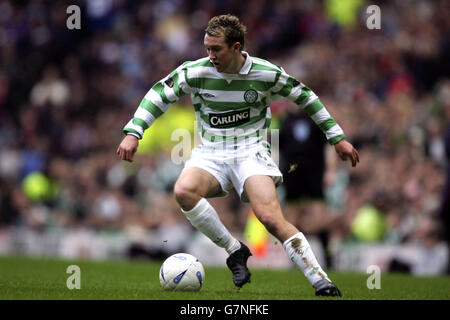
<point x="229" y="26"/>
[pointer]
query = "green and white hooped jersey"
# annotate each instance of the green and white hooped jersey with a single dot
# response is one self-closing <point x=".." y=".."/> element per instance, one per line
<point x="232" y="110"/>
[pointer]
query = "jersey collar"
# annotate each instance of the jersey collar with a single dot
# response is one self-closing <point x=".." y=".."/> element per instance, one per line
<point x="247" y="64"/>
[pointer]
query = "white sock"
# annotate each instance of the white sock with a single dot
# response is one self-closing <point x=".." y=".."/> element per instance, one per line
<point x="205" y="219"/>
<point x="298" y="249"/>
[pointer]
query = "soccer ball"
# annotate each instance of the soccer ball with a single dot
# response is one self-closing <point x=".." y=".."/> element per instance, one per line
<point x="182" y="272"/>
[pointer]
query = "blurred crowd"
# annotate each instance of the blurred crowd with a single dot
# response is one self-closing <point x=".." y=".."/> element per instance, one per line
<point x="65" y="96"/>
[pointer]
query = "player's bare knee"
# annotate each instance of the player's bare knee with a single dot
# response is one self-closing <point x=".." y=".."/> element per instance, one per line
<point x="270" y="221"/>
<point x="186" y="196"/>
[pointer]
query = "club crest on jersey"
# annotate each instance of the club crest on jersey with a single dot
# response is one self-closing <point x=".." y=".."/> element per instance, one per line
<point x="250" y="96"/>
<point x="229" y="119"/>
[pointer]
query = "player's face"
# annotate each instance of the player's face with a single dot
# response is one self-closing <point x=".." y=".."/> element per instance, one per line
<point x="221" y="55"/>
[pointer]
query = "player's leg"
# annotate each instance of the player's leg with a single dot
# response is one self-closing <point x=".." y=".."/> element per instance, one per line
<point x="191" y="189"/>
<point x="192" y="185"/>
<point x="261" y="192"/>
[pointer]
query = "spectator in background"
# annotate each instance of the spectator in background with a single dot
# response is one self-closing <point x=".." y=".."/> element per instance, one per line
<point x="369" y="224"/>
<point x="51" y="89"/>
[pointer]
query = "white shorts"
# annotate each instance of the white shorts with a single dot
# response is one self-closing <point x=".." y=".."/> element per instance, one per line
<point x="232" y="170"/>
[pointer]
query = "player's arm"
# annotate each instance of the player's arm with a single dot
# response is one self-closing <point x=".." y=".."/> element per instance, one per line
<point x="290" y="88"/>
<point x="157" y="100"/>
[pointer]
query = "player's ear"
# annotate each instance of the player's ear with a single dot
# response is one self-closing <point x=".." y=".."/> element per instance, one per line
<point x="237" y="46"/>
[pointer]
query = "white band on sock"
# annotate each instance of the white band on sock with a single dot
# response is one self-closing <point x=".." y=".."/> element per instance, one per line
<point x="297" y="235"/>
<point x="299" y="250"/>
<point x="200" y="206"/>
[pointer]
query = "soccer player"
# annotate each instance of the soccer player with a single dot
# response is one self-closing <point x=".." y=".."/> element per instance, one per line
<point x="231" y="93"/>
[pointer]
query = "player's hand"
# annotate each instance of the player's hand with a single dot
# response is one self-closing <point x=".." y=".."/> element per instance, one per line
<point x="128" y="147"/>
<point x="345" y="150"/>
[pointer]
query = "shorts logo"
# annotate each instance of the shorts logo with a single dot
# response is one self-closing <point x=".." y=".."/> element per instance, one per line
<point x="229" y="119"/>
<point x="264" y="159"/>
<point x="250" y="96"/>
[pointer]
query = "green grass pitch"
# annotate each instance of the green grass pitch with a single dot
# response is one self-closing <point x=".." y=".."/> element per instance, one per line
<point x="23" y="278"/>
